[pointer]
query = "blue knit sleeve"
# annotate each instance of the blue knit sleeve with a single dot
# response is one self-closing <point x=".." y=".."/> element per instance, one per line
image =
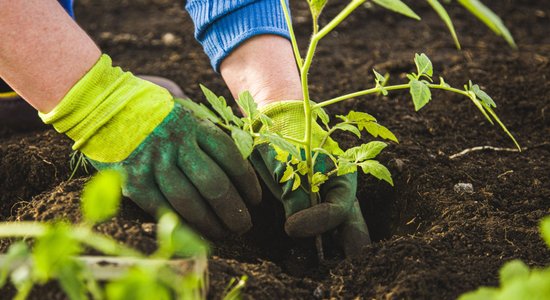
<point x="222" y="25"/>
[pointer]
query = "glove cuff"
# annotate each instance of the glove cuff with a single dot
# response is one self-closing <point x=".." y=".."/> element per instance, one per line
<point x="109" y="112"/>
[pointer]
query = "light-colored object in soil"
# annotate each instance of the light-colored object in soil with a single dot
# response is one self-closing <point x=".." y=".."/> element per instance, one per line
<point x="463" y="188"/>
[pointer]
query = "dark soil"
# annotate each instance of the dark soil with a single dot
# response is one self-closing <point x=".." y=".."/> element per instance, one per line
<point x="431" y="242"/>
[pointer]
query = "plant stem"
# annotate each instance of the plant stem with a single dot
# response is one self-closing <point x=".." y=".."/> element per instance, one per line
<point x="387" y="88"/>
<point x="339" y="18"/>
<point x="295" y="48"/>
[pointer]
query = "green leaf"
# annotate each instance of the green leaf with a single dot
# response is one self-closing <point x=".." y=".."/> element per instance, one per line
<point x="247" y="104"/>
<point x="377" y="170"/>
<point x="348" y="127"/>
<point x="399" y="7"/>
<point x="199" y="110"/>
<point x="545" y="230"/>
<point x="72" y="281"/>
<point x="317" y="180"/>
<point x="364" y="151"/>
<point x="377" y="130"/>
<point x="138" y="284"/>
<point x="302" y="168"/>
<point x="484" y="97"/>
<point x="279" y="141"/>
<point x="316" y="7"/>
<point x="420" y="93"/>
<point x="219" y="105"/>
<point x="53" y="250"/>
<point x="266" y="121"/>
<point x="513" y="270"/>
<point x="442" y="12"/>
<point x="322" y="114"/>
<point x="288" y="174"/>
<point x="297" y="182"/>
<point x="243" y="140"/>
<point x="483" y="293"/>
<point x="101" y="196"/>
<point x="346" y="167"/>
<point x="379" y="78"/>
<point x="487" y="16"/>
<point x="17" y="252"/>
<point x="175" y="239"/>
<point x="423" y="65"/>
<point x="357" y="117"/>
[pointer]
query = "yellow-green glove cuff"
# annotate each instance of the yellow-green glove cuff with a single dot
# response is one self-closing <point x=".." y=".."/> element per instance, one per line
<point x="289" y="120"/>
<point x="109" y="112"/>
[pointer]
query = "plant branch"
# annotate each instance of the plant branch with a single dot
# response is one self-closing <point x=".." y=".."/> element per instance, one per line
<point x="295" y="48"/>
<point x="338" y="19"/>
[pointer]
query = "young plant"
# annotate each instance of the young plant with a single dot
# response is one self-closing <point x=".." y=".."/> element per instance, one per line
<point x="300" y="155"/>
<point x="57" y="250"/>
<point x="517" y="280"/>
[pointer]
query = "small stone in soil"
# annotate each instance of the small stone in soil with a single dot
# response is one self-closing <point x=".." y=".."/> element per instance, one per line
<point x="463" y="188"/>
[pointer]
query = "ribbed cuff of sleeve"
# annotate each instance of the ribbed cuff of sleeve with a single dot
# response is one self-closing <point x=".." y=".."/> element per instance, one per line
<point x="221" y="26"/>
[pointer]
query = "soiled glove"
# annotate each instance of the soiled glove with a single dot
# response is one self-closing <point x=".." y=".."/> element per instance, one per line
<point x="339" y="210"/>
<point x="169" y="158"/>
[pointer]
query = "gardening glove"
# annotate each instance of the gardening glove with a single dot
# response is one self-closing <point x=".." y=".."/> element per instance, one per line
<point x="169" y="158"/>
<point x="339" y="209"/>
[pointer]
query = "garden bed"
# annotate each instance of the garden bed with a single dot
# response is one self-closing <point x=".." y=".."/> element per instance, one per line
<point x="432" y="241"/>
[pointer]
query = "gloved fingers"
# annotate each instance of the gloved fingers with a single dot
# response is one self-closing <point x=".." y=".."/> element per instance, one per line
<point x="145" y="193"/>
<point x="315" y="220"/>
<point x="265" y="174"/>
<point x="339" y="195"/>
<point x="353" y="235"/>
<point x="187" y="201"/>
<point x="221" y="148"/>
<point x="216" y="188"/>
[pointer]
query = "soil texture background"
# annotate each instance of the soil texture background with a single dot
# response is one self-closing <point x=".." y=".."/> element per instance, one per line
<point x="432" y="241"/>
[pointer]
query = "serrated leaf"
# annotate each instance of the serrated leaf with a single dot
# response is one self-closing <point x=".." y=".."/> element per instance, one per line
<point x="302" y="168"/>
<point x="101" y="196"/>
<point x="247" y="104"/>
<point x="288" y="174"/>
<point x="281" y="155"/>
<point x="346" y="167"/>
<point x="377" y="130"/>
<point x="377" y="170"/>
<point x="483" y="96"/>
<point x="297" y="182"/>
<point x="199" y="110"/>
<point x="487" y="16"/>
<point x="280" y="142"/>
<point x="317" y="180"/>
<point x="545" y="230"/>
<point x="358" y="117"/>
<point x="364" y="151"/>
<point x="513" y="270"/>
<point x="420" y="93"/>
<point x="266" y="121"/>
<point x="423" y="64"/>
<point x="219" y="105"/>
<point x="442" y="12"/>
<point x="399" y="7"/>
<point x="243" y="140"/>
<point x="321" y="114"/>
<point x="348" y="127"/>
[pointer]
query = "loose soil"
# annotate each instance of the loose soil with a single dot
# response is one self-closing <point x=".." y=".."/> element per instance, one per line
<point x="431" y="242"/>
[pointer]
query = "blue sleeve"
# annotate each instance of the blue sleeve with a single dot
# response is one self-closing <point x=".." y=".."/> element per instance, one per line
<point x="68" y="6"/>
<point x="222" y="25"/>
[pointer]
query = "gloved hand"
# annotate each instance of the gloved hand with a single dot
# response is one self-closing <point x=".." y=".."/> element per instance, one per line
<point x="169" y="158"/>
<point x="339" y="210"/>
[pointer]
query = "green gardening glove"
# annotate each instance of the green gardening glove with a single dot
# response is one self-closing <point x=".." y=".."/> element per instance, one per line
<point x="169" y="158"/>
<point x="339" y="211"/>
